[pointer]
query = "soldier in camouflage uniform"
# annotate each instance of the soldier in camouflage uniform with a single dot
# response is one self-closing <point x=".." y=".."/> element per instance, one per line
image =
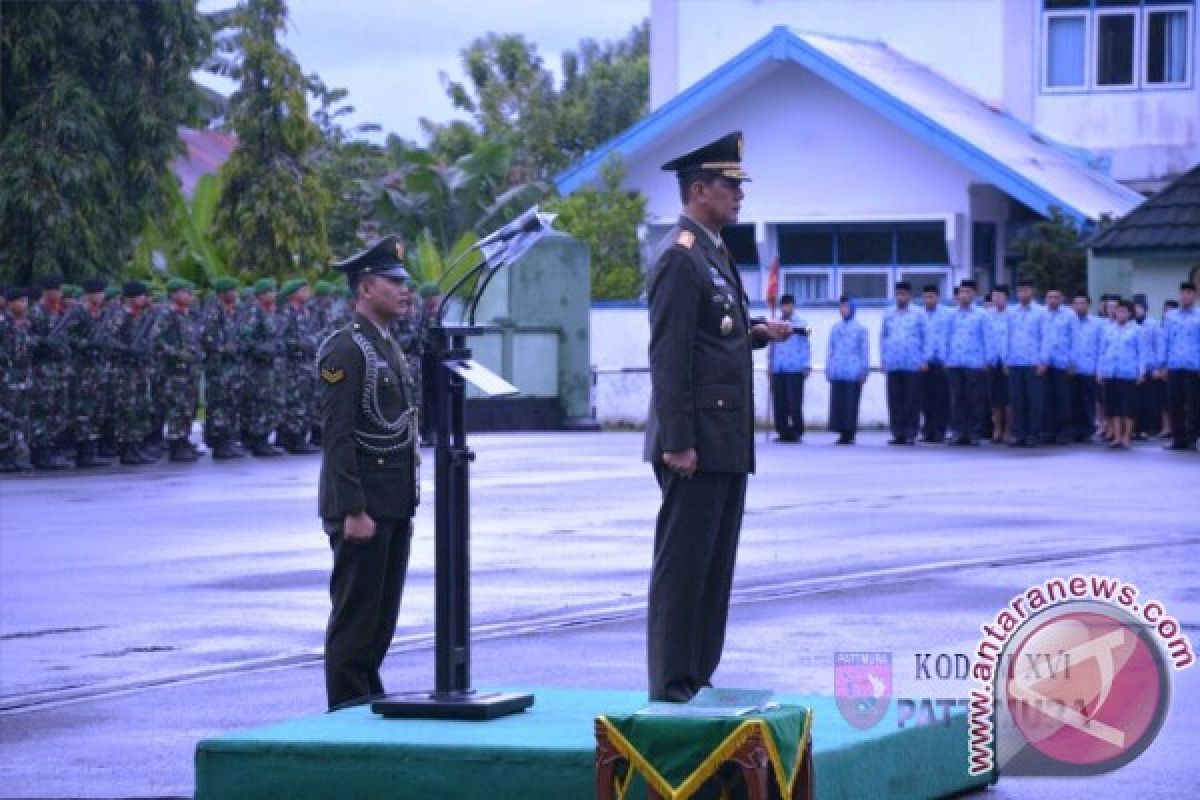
<point x="262" y="394"/>
<point x="154" y="445"/>
<point x="108" y="440"/>
<point x="300" y="368"/>
<point x="222" y="372"/>
<point x="132" y="374"/>
<point x="177" y="345"/>
<point x="48" y="398"/>
<point x="15" y="371"/>
<point x="90" y="406"/>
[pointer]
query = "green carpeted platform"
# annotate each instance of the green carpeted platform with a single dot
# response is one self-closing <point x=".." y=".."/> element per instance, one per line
<point x="546" y="752"/>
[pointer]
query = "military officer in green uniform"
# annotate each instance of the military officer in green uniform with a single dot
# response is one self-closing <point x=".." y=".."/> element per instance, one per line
<point x="368" y="486"/>
<point x="700" y="428"/>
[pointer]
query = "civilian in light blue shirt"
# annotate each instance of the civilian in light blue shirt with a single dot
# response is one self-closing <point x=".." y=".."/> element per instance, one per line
<point x="1180" y="356"/>
<point x="847" y="364"/>
<point x="1122" y="367"/>
<point x="1024" y="365"/>
<point x="1057" y="327"/>
<point x="935" y="386"/>
<point x="1151" y="394"/>
<point x="904" y="348"/>
<point x="998" y="394"/>
<point x="1085" y="355"/>
<point x="790" y="362"/>
<point x="967" y="355"/>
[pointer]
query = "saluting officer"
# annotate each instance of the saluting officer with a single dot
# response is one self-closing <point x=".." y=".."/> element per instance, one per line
<point x="700" y="428"/>
<point x="368" y="490"/>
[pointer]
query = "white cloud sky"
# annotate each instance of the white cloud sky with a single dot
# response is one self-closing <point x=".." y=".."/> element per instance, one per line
<point x="389" y="53"/>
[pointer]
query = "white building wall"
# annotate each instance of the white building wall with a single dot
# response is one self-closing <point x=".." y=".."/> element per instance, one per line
<point x="958" y="38"/>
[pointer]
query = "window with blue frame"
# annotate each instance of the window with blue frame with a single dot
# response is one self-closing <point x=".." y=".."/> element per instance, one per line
<point x="1117" y="44"/>
<point x="861" y="260"/>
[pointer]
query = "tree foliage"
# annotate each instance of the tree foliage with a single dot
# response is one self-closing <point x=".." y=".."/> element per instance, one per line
<point x="1051" y="255"/>
<point x="606" y="219"/>
<point x="91" y="95"/>
<point x="184" y="241"/>
<point x="273" y="206"/>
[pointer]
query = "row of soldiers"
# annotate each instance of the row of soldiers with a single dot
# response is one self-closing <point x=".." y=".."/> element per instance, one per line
<point x="96" y="372"/>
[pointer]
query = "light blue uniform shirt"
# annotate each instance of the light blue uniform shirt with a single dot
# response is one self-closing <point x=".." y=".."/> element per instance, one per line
<point x="1056" y="337"/>
<point x="936" y="333"/>
<point x="1025" y="325"/>
<point x="848" y="358"/>
<point x="791" y="356"/>
<point x="998" y="334"/>
<point x="1122" y="355"/>
<point x="1086" y="342"/>
<point x="967" y="338"/>
<point x="1180" y="345"/>
<point x="1151" y="331"/>
<point x="902" y="340"/>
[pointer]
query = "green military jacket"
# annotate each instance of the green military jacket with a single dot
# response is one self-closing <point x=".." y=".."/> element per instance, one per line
<point x="701" y="365"/>
<point x="368" y="427"/>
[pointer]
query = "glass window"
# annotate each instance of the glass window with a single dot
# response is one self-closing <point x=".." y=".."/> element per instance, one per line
<point x="923" y="243"/>
<point x="805" y="244"/>
<point x="1166" y="46"/>
<point x="740" y="241"/>
<point x="865" y="285"/>
<point x="810" y="286"/>
<point x="1066" y="51"/>
<point x="864" y="245"/>
<point x="1115" y="49"/>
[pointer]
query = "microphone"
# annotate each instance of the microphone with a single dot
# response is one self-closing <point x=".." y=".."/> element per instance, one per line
<point x="528" y="222"/>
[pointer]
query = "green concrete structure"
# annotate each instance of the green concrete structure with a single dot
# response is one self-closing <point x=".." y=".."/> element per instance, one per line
<point x="538" y="314"/>
<point x="545" y="753"/>
<point x="1153" y="248"/>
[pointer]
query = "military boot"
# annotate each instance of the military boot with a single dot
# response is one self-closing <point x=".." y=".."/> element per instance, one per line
<point x="46" y="458"/>
<point x="132" y="456"/>
<point x="88" y="455"/>
<point x="297" y="446"/>
<point x="9" y="463"/>
<point x="107" y="449"/>
<point x="224" y="449"/>
<point x="180" y="451"/>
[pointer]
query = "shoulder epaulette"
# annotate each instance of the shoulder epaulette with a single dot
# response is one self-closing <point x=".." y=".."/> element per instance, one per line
<point x="686" y="239"/>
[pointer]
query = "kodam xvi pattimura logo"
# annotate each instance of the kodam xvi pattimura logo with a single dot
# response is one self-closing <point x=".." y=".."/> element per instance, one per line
<point x="1073" y="677"/>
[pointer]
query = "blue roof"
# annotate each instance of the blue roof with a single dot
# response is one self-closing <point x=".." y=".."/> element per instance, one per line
<point x="990" y="143"/>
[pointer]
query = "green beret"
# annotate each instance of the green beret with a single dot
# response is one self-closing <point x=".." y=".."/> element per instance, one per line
<point x="429" y="290"/>
<point x="175" y="284"/>
<point x="344" y="291"/>
<point x="158" y="295"/>
<point x="322" y="288"/>
<point x="111" y="291"/>
<point x="71" y="290"/>
<point x="291" y="286"/>
<point x="264" y="285"/>
<point x="224" y="285"/>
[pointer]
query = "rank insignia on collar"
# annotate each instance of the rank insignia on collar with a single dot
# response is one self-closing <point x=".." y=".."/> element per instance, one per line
<point x="686" y="239"/>
<point x="332" y="375"/>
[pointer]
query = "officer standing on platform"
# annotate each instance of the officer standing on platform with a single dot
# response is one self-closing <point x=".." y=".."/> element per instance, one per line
<point x="368" y="490"/>
<point x="935" y="387"/>
<point x="700" y="427"/>
<point x="904" y="349"/>
<point x="789" y="364"/>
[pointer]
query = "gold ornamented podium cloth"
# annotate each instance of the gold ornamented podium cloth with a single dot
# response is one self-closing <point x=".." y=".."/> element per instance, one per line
<point x="677" y="755"/>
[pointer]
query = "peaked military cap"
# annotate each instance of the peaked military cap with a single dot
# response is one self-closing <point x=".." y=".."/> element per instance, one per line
<point x="385" y="258"/>
<point x="224" y="285"/>
<point x="722" y="157"/>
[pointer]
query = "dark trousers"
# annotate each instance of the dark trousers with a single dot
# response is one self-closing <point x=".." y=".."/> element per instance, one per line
<point x="1150" y="398"/>
<point x="1083" y="406"/>
<point x="968" y="402"/>
<point x="1056" y="405"/>
<point x="365" y="587"/>
<point x="935" y="402"/>
<point x="1025" y="391"/>
<point x="844" y="397"/>
<point x="904" y="403"/>
<point x="1183" y="393"/>
<point x="695" y="546"/>
<point x="787" y="398"/>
